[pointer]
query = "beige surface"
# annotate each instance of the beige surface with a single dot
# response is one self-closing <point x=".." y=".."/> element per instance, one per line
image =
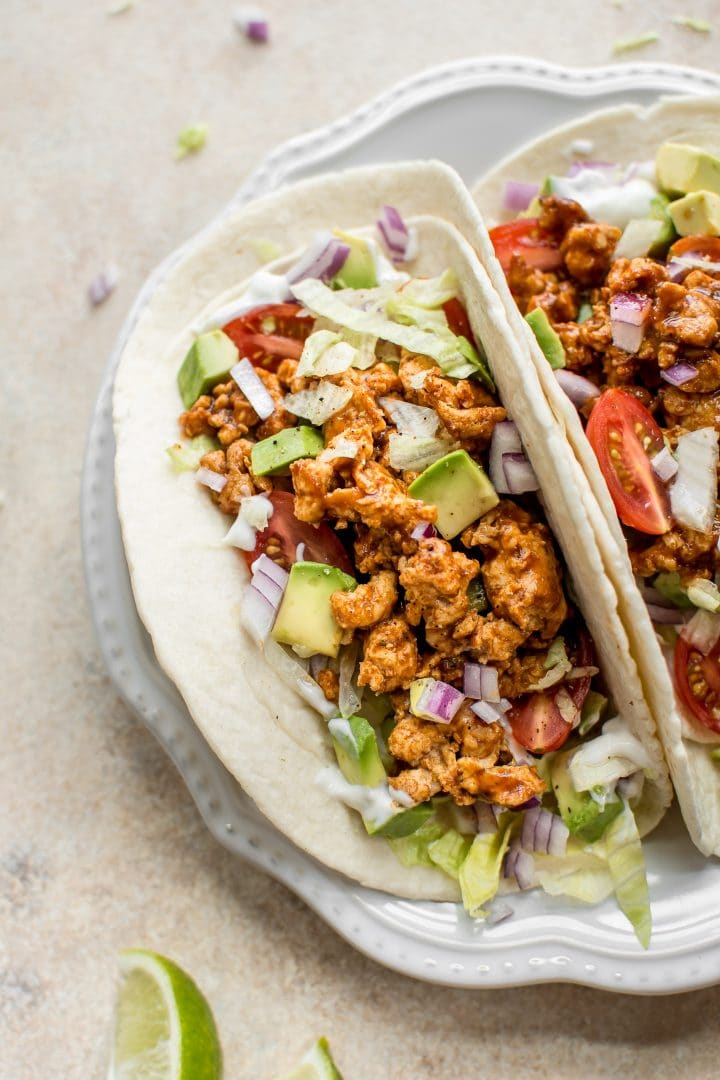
<point x="100" y="845"/>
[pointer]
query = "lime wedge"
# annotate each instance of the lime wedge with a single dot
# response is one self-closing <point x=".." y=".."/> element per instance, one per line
<point x="164" y="1029"/>
<point x="316" y="1065"/>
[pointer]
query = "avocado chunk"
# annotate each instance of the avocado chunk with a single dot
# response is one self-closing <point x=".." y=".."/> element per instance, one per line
<point x="403" y="823"/>
<point x="667" y="234"/>
<point x="459" y="489"/>
<point x="275" y="454"/>
<point x="684" y="168"/>
<point x="207" y="363"/>
<point x="583" y="816"/>
<point x="547" y="339"/>
<point x="698" y="212"/>
<point x="357" y="751"/>
<point x="305" y="619"/>
<point x="358" y="270"/>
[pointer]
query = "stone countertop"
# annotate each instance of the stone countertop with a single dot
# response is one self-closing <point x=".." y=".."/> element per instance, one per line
<point x="100" y="844"/>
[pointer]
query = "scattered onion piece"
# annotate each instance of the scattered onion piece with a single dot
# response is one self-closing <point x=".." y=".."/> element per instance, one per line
<point x="664" y="465"/>
<point x="400" y="241"/>
<point x="518" y="195"/>
<point x="253" y="388"/>
<point x="252" y="23"/>
<point x="678" y="374"/>
<point x="213" y="480"/>
<point x="579" y="389"/>
<point x="628" y="314"/>
<point x="103" y="284"/>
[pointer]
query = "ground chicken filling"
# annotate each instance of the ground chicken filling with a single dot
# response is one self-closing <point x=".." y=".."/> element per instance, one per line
<point x="415" y="611"/>
<point x="683" y="326"/>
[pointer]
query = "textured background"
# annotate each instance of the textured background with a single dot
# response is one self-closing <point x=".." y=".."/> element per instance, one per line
<point x="100" y="845"/>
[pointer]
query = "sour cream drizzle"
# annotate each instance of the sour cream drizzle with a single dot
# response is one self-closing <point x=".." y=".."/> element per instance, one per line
<point x="377" y="805"/>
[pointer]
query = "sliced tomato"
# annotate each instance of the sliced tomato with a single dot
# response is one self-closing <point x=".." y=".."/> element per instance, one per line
<point x="699" y="247"/>
<point x="625" y="437"/>
<point x="697" y="680"/>
<point x="524" y="238"/>
<point x="271" y="333"/>
<point x="536" y="720"/>
<point x="537" y="723"/>
<point x="284" y="532"/>
<point x="457" y="318"/>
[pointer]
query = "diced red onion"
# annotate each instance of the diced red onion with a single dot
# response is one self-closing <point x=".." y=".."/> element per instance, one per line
<point x="679" y="374"/>
<point x="323" y="259"/>
<point x="664" y="465"/>
<point x="253" y="388"/>
<point x="399" y="240"/>
<point x="487" y="712"/>
<point x="628" y="314"/>
<point x="520" y="865"/>
<point x="439" y="701"/>
<point x="667" y="616"/>
<point x="676" y="271"/>
<point x="208" y="478"/>
<point x="519" y="194"/>
<point x="505" y="440"/>
<point x="519" y="474"/>
<point x="424" y="531"/>
<point x="503" y="706"/>
<point x="543" y="832"/>
<point x="486" y="818"/>
<point x="703" y="631"/>
<point x="577" y="387"/>
<point x="268" y="588"/>
<point x="583" y="166"/>
<point x="258" y="614"/>
<point x="693" y="494"/>
<point x="102" y="285"/>
<point x="300" y="552"/>
<point x="499" y="912"/>
<point x="480" y="682"/>
<point x="252" y="23"/>
<point x="267" y="566"/>
<point x="696" y="262"/>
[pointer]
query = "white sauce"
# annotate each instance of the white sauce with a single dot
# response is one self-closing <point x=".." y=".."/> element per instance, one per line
<point x="376" y="804"/>
<point x="605" y="200"/>
<point x="384" y="270"/>
<point x="262" y="288"/>
<point x="582" y="147"/>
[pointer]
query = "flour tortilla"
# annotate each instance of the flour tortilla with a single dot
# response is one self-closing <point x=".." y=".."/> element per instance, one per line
<point x="188" y="587"/>
<point x="625" y="134"/>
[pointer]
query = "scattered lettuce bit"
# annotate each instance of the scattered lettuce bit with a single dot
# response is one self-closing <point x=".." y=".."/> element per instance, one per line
<point x="450" y="851"/>
<point x="185" y="457"/>
<point x="623" y="45"/>
<point x="584" y="313"/>
<point x="593" y="708"/>
<point x="626" y="863"/>
<point x="668" y="585"/>
<point x="413" y="850"/>
<point x="699" y="25"/>
<point x="266" y="250"/>
<point x="427" y="292"/>
<point x="325" y="353"/>
<point x="555" y="654"/>
<point x="121" y="6"/>
<point x="191" y="139"/>
<point x="318" y="404"/>
<point x="704" y="594"/>
<point x="479" y="875"/>
<point x="415" y="452"/>
<point x="715" y="754"/>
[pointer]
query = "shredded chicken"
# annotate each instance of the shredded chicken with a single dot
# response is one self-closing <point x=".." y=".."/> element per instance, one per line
<point x="367" y="604"/>
<point x="435" y="581"/>
<point x="390" y="657"/>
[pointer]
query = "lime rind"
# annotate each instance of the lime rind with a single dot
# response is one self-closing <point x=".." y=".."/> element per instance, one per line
<point x="164" y="1027"/>
<point x="317" y="1064"/>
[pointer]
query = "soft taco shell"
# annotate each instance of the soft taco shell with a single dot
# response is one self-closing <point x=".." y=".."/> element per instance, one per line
<point x="624" y="134"/>
<point x="188" y="587"/>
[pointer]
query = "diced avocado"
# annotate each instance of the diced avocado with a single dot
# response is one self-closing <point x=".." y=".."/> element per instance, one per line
<point x="585" y="312"/>
<point x="583" y="816"/>
<point x="548" y="187"/>
<point x="547" y="339"/>
<point x="670" y="586"/>
<point x="208" y="362"/>
<point x="459" y="489"/>
<point x="667" y="235"/>
<point x="403" y="823"/>
<point x="696" y="213"/>
<point x="358" y="270"/>
<point x="305" y="619"/>
<point x="685" y="168"/>
<point x="275" y="454"/>
<point x="533" y="209"/>
<point x="357" y="751"/>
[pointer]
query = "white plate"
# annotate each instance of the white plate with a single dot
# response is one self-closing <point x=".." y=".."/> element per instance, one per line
<point x="470" y="114"/>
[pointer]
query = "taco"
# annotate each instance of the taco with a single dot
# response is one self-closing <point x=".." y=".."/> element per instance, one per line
<point x="609" y="238"/>
<point x="374" y="626"/>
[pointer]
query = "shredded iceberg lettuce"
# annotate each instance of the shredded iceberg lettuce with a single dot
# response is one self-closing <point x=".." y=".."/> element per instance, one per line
<point x="581" y="873"/>
<point x="413" y="850"/>
<point x="450" y="851"/>
<point x="615" y="753"/>
<point x="479" y="875"/>
<point x="186" y="456"/>
<point x="626" y="864"/>
<point x="325" y="353"/>
<point x="593" y="708"/>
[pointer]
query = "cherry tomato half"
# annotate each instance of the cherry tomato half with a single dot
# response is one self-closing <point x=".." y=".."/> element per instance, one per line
<point x="524" y="238"/>
<point x="697" y="679"/>
<point x="271" y="333"/>
<point x="699" y="247"/>
<point x="284" y="532"/>
<point x="457" y="318"/>
<point x="536" y="720"/>
<point x="624" y="437"/>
